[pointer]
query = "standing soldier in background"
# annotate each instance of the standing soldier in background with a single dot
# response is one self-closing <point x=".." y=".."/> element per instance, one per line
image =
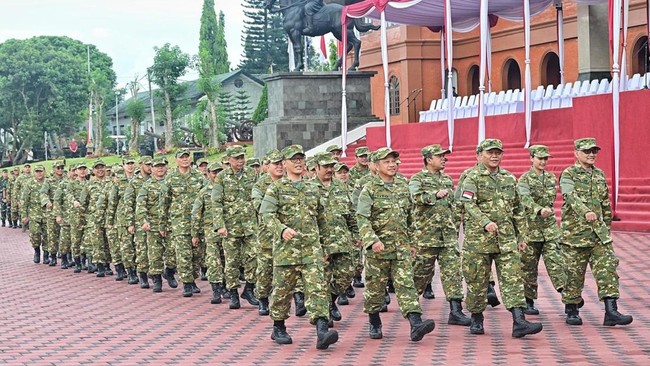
<point x="359" y="174"/>
<point x="77" y="217"/>
<point x="384" y="217"/>
<point x="336" y="152"/>
<point x="52" y="183"/>
<point x="342" y="173"/>
<point x="361" y="168"/>
<point x="16" y="191"/>
<point x="31" y="210"/>
<point x="234" y="220"/>
<point x="63" y="211"/>
<point x="177" y="194"/>
<point x="139" y="236"/>
<point x="109" y="200"/>
<point x="4" y="180"/>
<point x="148" y="219"/>
<point x="433" y="193"/>
<point x="538" y="189"/>
<point x="118" y="221"/>
<point x="586" y="223"/>
<point x="95" y="232"/>
<point x="8" y="196"/>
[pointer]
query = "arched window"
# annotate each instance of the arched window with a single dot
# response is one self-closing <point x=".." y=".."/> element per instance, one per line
<point x="551" y="69"/>
<point x="640" y="57"/>
<point x="393" y="83"/>
<point x="473" y="80"/>
<point x="454" y="80"/>
<point x="511" y="75"/>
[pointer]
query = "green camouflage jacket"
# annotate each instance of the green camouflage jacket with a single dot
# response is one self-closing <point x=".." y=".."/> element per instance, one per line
<point x="356" y="173"/>
<point x="30" y="202"/>
<point x="232" y="204"/>
<point x="202" y="212"/>
<point x="538" y="192"/>
<point x="92" y="197"/>
<point x="148" y="203"/>
<point x="338" y="229"/>
<point x="358" y="187"/>
<point x="73" y="192"/>
<point x="265" y="236"/>
<point x="177" y="195"/>
<point x="16" y="190"/>
<point x="119" y="211"/>
<point x="129" y="198"/>
<point x="61" y="206"/>
<point x="48" y="190"/>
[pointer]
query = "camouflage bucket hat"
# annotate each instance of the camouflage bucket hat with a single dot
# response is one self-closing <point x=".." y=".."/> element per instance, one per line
<point x="586" y="143"/>
<point x="325" y="159"/>
<point x="253" y="162"/>
<point x="340" y="166"/>
<point x="39" y="168"/>
<point x="490" y="144"/>
<point x="98" y="162"/>
<point x="434" y="149"/>
<point x="383" y="153"/>
<point x="158" y="161"/>
<point x="128" y="160"/>
<point x="146" y="160"/>
<point x="182" y="152"/>
<point x="539" y="151"/>
<point x="333" y="148"/>
<point x="274" y="156"/>
<point x="235" y="151"/>
<point x="215" y="167"/>
<point x="361" y="151"/>
<point x="201" y="161"/>
<point x="290" y="151"/>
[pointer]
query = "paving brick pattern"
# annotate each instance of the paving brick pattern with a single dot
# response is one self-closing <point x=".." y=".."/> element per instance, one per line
<point x="52" y="316"/>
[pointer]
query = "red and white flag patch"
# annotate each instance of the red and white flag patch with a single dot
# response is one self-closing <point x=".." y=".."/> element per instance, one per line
<point x="467" y="195"/>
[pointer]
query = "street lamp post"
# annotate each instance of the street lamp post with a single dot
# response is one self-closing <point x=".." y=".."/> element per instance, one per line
<point x="117" y="123"/>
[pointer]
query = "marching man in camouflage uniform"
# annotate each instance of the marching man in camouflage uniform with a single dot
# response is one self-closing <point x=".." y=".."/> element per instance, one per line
<point x="537" y="189"/>
<point x="32" y="211"/>
<point x="17" y="192"/>
<point x="4" y="180"/>
<point x="384" y="217"/>
<point x="435" y="232"/>
<point x="50" y="186"/>
<point x="586" y="222"/>
<point x="291" y="208"/>
<point x="360" y="170"/>
<point x="93" y="198"/>
<point x="77" y="217"/>
<point x="234" y="220"/>
<point x="495" y="231"/>
<point x="139" y="235"/>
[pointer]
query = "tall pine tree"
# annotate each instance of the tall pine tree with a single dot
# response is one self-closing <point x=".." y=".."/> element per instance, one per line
<point x="221" y="60"/>
<point x="211" y="62"/>
<point x="264" y="40"/>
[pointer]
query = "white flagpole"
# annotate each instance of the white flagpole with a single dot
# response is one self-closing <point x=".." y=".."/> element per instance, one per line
<point x="481" y="105"/>
<point x="450" y="89"/>
<point x="528" y="82"/>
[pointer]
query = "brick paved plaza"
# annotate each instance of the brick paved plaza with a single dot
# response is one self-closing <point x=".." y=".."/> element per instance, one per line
<point x="55" y="317"/>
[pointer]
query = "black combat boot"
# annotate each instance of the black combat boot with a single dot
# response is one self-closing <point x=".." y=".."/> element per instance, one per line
<point x="335" y="314"/>
<point x="144" y="281"/>
<point x="3" y="222"/>
<point x="216" y="293"/>
<point x="612" y="316"/>
<point x="280" y="335"/>
<point x="107" y="269"/>
<point x="572" y="314"/>
<point x="234" y="299"/>
<point x="132" y="276"/>
<point x="456" y="315"/>
<point x="325" y="337"/>
<point x="375" y="326"/>
<point x="428" y="292"/>
<point x="249" y="295"/>
<point x="64" y="261"/>
<point x="226" y="293"/>
<point x="187" y="290"/>
<point x="119" y="270"/>
<point x="157" y="283"/>
<point x="387" y="297"/>
<point x="52" y="259"/>
<point x="263" y="308"/>
<point x="37" y="255"/>
<point x="384" y="308"/>
<point x="522" y="327"/>
<point x="299" y="299"/>
<point x="492" y="298"/>
<point x="349" y="292"/>
<point x="476" y="325"/>
<point x="46" y="257"/>
<point x="356" y="282"/>
<point x="84" y="262"/>
<point x="203" y="273"/>
<point x="343" y="299"/>
<point x="101" y="272"/>
<point x="390" y="287"/>
<point x="169" y="276"/>
<point x="92" y="267"/>
<point x="419" y="327"/>
<point x="530" y="307"/>
<point x="77" y="265"/>
<point x="195" y="288"/>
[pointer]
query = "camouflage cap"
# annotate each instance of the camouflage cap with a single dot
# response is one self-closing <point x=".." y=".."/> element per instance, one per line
<point x="274" y="156"/>
<point x="539" y="151"/>
<point x="201" y="161"/>
<point x="333" y="148"/>
<point x="585" y="143"/>
<point x="253" y="161"/>
<point x="39" y="168"/>
<point x="339" y="166"/>
<point x="81" y="166"/>
<point x="16" y="169"/>
<point x="224" y="160"/>
<point x="234" y="151"/>
<point x="182" y="152"/>
<point x="361" y="151"/>
<point x="146" y="160"/>
<point x="98" y="162"/>
<point x="292" y="150"/>
<point x="27" y="164"/>
<point x="215" y="167"/>
<point x="434" y="149"/>
<point x="58" y="163"/>
<point x="325" y="159"/>
<point x="118" y="170"/>
<point x="490" y="144"/>
<point x="158" y="161"/>
<point x="310" y="163"/>
<point x="383" y="153"/>
<point x="128" y="159"/>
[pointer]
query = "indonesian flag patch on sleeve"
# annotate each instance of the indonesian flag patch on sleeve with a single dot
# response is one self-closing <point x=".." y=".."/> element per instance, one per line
<point x="467" y="195"/>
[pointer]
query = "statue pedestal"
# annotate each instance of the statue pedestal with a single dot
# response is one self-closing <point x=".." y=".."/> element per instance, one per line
<point x="305" y="108"/>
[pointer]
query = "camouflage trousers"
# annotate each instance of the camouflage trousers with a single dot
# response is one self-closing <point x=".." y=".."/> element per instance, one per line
<point x="476" y="270"/>
<point x="357" y="257"/>
<point x="317" y="298"/>
<point x="378" y="271"/>
<point x="114" y="246"/>
<point x="553" y="260"/>
<point x="159" y="254"/>
<point x="65" y="241"/>
<point x="53" y="231"/>
<point x="213" y="257"/>
<point x="339" y="271"/>
<point x="141" y="252"/>
<point x="14" y="211"/>
<point x="603" y="262"/>
<point x="76" y="237"/>
<point x="264" y="273"/>
<point x="239" y="251"/>
<point x="127" y="247"/>
<point x="38" y="234"/>
<point x="99" y="244"/>
<point x="450" y="270"/>
<point x="187" y="257"/>
<point x="4" y="212"/>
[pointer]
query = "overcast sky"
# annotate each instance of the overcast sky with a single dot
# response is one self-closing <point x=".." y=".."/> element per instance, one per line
<point x="126" y="30"/>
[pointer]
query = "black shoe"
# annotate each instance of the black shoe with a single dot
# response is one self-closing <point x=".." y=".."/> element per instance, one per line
<point x="216" y="293"/>
<point x="356" y="282"/>
<point x="77" y="265"/>
<point x="64" y="262"/>
<point x="132" y="276"/>
<point x="144" y="281"/>
<point x="84" y="263"/>
<point x="249" y="295"/>
<point x="572" y="314"/>
<point x="530" y="307"/>
<point x="335" y="314"/>
<point x="456" y="315"/>
<point x="203" y="273"/>
<point x="157" y="283"/>
<point x="419" y="327"/>
<point x="100" y="270"/>
<point x="37" y="255"/>
<point x="390" y="287"/>
<point x="492" y="298"/>
<point x="387" y="298"/>
<point x="263" y="308"/>
<point x="428" y="292"/>
<point x="226" y="293"/>
<point x="195" y="288"/>
<point x="119" y="269"/>
<point x="92" y="267"/>
<point x="107" y="269"/>
<point x="299" y="299"/>
<point x="522" y="327"/>
<point x="384" y="308"/>
<point x="476" y="325"/>
<point x="169" y="276"/>
<point x="234" y="299"/>
<point x="612" y="316"/>
<point x="280" y="335"/>
<point x="52" y="260"/>
<point x="343" y="300"/>
<point x="46" y="257"/>
<point x="349" y="292"/>
<point x="187" y="290"/>
<point x="324" y="336"/>
<point x="375" y="326"/>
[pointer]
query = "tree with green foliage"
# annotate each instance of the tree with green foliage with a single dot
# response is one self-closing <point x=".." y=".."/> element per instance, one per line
<point x="209" y="53"/>
<point x="241" y="106"/>
<point x="135" y="109"/>
<point x="333" y="54"/>
<point x="262" y="109"/>
<point x="170" y="63"/>
<point x="264" y="40"/>
<point x="222" y="65"/>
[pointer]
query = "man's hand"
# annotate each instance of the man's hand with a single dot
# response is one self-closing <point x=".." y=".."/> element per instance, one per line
<point x="378" y="246"/>
<point x="76" y="204"/>
<point x="223" y="232"/>
<point x="591" y="216"/>
<point x="522" y="246"/>
<point x="25" y="220"/>
<point x="131" y="229"/>
<point x="163" y="233"/>
<point x="195" y="241"/>
<point x="59" y="220"/>
<point x="288" y="234"/>
<point x="442" y="193"/>
<point x="546" y="212"/>
<point x="358" y="243"/>
<point x="491" y="227"/>
<point x="146" y="226"/>
<point x="414" y="252"/>
<point x="48" y="205"/>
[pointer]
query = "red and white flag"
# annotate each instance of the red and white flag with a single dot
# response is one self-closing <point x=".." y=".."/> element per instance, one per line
<point x="323" y="48"/>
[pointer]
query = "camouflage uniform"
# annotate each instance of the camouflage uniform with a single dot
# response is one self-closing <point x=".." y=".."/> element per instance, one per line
<point x="16" y="196"/>
<point x="438" y="241"/>
<point x="93" y="199"/>
<point x="358" y="177"/>
<point x="3" y="199"/>
<point x="538" y="192"/>
<point x="118" y="219"/>
<point x="129" y="202"/>
<point x="203" y="228"/>
<point x="62" y="207"/>
<point x="31" y="207"/>
<point x="8" y="198"/>
<point x="76" y="216"/>
<point x="52" y="183"/>
<point x="265" y="239"/>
